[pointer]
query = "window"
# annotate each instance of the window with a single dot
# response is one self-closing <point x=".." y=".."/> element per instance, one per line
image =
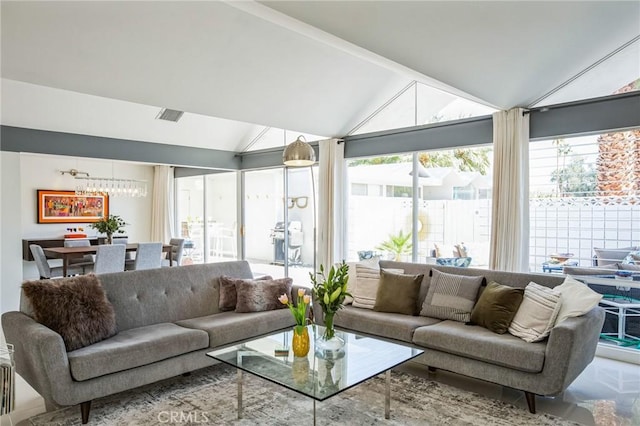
<point x="450" y="210"/>
<point x="207" y="217"/>
<point x="464" y="192"/>
<point x="585" y="194"/>
<point x="265" y="212"/>
<point x="359" y="189"/>
<point x="399" y="191"/>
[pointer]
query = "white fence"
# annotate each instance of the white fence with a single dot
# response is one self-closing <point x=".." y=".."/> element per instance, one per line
<point x="565" y="225"/>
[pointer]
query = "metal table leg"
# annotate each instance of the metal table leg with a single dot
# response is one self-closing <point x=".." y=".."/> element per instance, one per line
<point x="239" y="393"/>
<point x="387" y="395"/>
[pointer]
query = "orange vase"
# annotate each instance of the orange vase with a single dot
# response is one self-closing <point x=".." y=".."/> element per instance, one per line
<point x="300" y="342"/>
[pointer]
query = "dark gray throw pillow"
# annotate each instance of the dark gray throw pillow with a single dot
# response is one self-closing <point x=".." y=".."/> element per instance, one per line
<point x="76" y="308"/>
<point x="451" y="296"/>
<point x="397" y="293"/>
<point x="228" y="294"/>
<point x="262" y="295"/>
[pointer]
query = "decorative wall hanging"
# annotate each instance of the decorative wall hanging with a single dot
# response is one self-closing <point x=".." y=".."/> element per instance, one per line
<point x="67" y="207"/>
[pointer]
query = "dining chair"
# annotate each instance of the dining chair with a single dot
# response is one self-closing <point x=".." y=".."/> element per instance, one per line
<point x="177" y="248"/>
<point x="109" y="258"/>
<point x="148" y="256"/>
<point x="128" y="256"/>
<point x="45" y="270"/>
<point x="85" y="262"/>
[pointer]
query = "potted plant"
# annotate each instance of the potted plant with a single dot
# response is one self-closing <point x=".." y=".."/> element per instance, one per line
<point x="110" y="225"/>
<point x="397" y="245"/>
<point x="330" y="291"/>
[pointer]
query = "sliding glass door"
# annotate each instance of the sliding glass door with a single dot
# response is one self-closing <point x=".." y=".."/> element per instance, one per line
<point x="206" y="211"/>
<point x="278" y="225"/>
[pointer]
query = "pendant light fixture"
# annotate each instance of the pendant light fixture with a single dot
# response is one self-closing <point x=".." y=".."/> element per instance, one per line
<point x="299" y="153"/>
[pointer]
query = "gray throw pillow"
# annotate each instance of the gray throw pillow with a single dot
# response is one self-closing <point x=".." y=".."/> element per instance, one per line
<point x="451" y="296"/>
<point x="262" y="295"/>
<point x="76" y="308"/>
<point x="228" y="294"/>
<point x="397" y="293"/>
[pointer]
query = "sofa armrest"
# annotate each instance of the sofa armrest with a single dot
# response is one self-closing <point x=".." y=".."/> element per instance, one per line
<point x="571" y="347"/>
<point x="40" y="355"/>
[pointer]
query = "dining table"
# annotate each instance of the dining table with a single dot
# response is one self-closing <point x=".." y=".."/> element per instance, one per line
<point x="67" y="253"/>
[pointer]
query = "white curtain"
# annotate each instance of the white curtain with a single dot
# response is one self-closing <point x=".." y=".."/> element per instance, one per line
<point x="330" y="203"/>
<point x="510" y="212"/>
<point x="162" y="204"/>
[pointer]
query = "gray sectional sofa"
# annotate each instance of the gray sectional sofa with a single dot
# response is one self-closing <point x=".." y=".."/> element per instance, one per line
<point x="167" y="319"/>
<point x="542" y="368"/>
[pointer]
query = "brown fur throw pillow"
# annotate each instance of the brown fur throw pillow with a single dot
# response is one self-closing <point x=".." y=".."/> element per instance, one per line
<point x="262" y="295"/>
<point x="77" y="308"/>
<point x="228" y="293"/>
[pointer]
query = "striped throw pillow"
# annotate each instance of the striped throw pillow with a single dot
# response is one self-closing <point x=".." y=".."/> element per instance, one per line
<point x="537" y="313"/>
<point x="451" y="296"/>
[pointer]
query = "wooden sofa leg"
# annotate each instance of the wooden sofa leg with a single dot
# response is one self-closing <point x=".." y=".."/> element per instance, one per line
<point x="531" y="401"/>
<point x="431" y="369"/>
<point x="187" y="374"/>
<point x="85" y="407"/>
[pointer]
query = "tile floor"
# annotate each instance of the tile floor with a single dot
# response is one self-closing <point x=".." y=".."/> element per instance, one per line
<point x="606" y="393"/>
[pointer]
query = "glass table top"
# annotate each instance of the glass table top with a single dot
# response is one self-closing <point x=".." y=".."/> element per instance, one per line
<point x="364" y="357"/>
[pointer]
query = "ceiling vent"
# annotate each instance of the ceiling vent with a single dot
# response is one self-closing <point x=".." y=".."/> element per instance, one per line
<point x="169" y="115"/>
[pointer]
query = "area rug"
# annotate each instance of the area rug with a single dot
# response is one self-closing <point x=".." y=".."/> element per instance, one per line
<point x="208" y="397"/>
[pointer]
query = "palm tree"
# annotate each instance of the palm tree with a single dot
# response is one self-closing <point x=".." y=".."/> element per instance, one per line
<point x="397" y="245"/>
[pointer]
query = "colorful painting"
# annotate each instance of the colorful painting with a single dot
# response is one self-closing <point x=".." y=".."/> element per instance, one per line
<point x="67" y="207"/>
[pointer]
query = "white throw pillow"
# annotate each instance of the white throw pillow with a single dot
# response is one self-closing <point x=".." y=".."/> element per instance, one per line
<point x="576" y="299"/>
<point x="537" y="313"/>
<point x="351" y="275"/>
<point x="366" y="286"/>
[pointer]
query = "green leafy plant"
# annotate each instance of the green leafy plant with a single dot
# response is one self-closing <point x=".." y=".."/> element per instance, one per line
<point x="110" y="225"/>
<point x="397" y="245"/>
<point x="330" y="291"/>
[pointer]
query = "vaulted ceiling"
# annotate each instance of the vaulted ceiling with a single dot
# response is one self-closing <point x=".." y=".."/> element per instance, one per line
<point x="318" y="67"/>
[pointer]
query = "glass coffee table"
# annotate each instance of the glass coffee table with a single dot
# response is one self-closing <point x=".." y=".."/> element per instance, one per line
<point x="270" y="358"/>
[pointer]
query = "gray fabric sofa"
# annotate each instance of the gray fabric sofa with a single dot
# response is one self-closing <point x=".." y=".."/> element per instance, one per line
<point x="167" y="320"/>
<point x="541" y="368"/>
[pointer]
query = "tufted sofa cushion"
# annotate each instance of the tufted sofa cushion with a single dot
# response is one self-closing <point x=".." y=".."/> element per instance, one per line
<point x="168" y="294"/>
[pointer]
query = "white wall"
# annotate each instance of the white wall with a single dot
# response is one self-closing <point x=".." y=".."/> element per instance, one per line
<point x="43" y="172"/>
<point x="10" y="231"/>
<point x="23" y="174"/>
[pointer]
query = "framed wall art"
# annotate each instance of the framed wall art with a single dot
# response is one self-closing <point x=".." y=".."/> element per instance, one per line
<point x="67" y="207"/>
